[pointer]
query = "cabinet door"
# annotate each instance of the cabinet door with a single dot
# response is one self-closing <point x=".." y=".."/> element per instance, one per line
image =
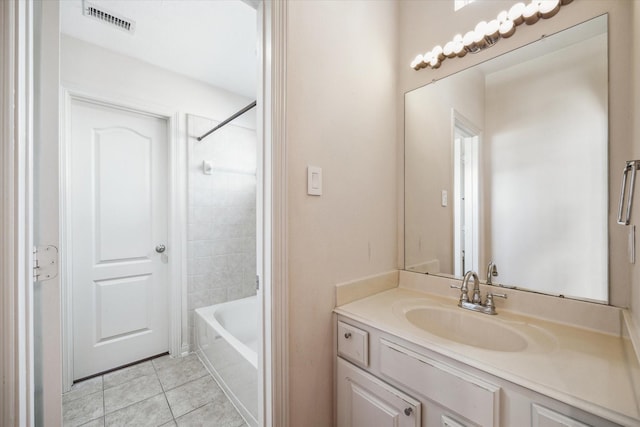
<point x="365" y="401"/>
<point x="545" y="417"/>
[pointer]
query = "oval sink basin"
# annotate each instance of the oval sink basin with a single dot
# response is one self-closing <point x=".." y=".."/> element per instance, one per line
<point x="472" y="330"/>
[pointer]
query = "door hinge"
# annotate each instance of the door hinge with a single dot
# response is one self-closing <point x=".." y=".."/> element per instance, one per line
<point x="45" y="263"/>
<point x="257" y="283"/>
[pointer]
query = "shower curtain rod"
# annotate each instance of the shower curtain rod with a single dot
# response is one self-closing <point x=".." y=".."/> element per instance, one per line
<point x="235" y="116"/>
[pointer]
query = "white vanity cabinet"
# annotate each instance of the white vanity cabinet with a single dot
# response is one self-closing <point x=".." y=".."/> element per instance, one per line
<point x="383" y="380"/>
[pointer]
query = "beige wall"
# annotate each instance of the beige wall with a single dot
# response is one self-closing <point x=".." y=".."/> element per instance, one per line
<point x="341" y="111"/>
<point x="424" y="24"/>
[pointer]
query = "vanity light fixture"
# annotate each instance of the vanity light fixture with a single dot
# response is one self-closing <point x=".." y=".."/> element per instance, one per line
<point x="486" y="34"/>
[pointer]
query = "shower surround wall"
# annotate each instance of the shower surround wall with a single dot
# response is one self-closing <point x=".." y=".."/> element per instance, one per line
<point x="221" y="251"/>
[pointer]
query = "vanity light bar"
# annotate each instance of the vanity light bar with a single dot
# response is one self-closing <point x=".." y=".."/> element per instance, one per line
<point x="487" y="34"/>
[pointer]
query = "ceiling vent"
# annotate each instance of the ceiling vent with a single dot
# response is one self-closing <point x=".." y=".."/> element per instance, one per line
<point x="107" y="17"/>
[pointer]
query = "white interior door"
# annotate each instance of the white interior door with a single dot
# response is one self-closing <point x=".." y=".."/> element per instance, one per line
<point x="118" y="185"/>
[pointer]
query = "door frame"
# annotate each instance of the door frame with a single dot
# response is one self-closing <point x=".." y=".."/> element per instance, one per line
<point x="176" y="220"/>
<point x="459" y="121"/>
<point x="16" y="214"/>
<point x="16" y="84"/>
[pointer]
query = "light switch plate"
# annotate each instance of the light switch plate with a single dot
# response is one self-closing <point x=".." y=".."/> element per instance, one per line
<point x="314" y="181"/>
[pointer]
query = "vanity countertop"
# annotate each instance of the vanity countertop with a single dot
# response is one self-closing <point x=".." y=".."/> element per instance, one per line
<point x="590" y="370"/>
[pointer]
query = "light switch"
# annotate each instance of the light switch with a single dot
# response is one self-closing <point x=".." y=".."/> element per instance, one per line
<point x="445" y="198"/>
<point x="207" y="168"/>
<point x="314" y="181"/>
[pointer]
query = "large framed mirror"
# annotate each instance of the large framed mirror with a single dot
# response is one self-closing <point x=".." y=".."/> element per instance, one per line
<point x="506" y="168"/>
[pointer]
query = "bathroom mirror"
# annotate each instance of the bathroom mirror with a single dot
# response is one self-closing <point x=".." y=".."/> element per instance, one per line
<point x="506" y="162"/>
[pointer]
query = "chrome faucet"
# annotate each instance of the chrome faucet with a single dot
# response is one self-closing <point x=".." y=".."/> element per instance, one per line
<point x="492" y="270"/>
<point x="476" y="300"/>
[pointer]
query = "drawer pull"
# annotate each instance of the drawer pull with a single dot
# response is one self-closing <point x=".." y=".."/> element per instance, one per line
<point x="347" y="335"/>
<point x="408" y="411"/>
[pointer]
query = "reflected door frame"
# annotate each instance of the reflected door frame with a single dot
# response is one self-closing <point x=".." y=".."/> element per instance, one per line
<point x="466" y="140"/>
<point x="176" y="155"/>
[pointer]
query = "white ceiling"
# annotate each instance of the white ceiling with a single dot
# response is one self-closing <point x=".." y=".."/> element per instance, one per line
<point x="214" y="41"/>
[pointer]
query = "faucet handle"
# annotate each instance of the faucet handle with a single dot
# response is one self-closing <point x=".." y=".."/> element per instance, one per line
<point x="464" y="296"/>
<point x="489" y="301"/>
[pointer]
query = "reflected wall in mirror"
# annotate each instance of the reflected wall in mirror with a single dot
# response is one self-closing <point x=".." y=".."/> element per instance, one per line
<point x="506" y="162"/>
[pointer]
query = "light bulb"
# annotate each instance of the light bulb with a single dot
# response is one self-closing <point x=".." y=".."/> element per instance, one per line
<point x="447" y="50"/>
<point x="507" y="29"/>
<point x="548" y="8"/>
<point x="515" y="13"/>
<point x="530" y="13"/>
<point x="492" y="32"/>
<point x="469" y="42"/>
<point x="428" y="57"/>
<point x="502" y="16"/>
<point x="480" y="27"/>
<point x="417" y="62"/>
<point x="458" y="49"/>
<point x="438" y="52"/>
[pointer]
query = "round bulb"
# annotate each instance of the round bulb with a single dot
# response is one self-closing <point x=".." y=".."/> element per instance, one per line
<point x="457" y="38"/>
<point x="447" y="50"/>
<point x="507" y="29"/>
<point x="480" y="27"/>
<point x="469" y="42"/>
<point x="428" y="57"/>
<point x="458" y="49"/>
<point x="492" y="31"/>
<point x="438" y="52"/>
<point x="530" y="13"/>
<point x="502" y="16"/>
<point x="549" y="8"/>
<point x="515" y="13"/>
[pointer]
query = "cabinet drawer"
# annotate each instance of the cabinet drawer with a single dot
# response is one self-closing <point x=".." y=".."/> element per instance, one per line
<point x="449" y="387"/>
<point x="353" y="344"/>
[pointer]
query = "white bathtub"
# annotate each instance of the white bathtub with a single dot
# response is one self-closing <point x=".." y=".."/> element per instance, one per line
<point x="227" y="341"/>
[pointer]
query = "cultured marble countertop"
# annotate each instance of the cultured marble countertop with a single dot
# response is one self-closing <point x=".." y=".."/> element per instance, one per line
<point x="590" y="370"/>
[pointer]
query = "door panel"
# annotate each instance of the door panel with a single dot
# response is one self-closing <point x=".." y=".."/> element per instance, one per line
<point x="119" y="207"/>
<point x="123" y="200"/>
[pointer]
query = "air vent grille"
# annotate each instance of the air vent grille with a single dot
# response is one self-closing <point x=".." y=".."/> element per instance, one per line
<point x="113" y="19"/>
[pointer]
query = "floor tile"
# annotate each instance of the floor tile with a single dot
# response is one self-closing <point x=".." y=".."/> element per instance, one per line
<point x="83" y="410"/>
<point x="163" y="392"/>
<point x="151" y="412"/>
<point x="131" y="392"/>
<point x="218" y="414"/>
<point x="83" y="388"/>
<point x="129" y="373"/>
<point x="175" y="372"/>
<point x="192" y="395"/>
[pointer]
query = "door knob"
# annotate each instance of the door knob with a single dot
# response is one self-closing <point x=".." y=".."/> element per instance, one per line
<point x="160" y="248"/>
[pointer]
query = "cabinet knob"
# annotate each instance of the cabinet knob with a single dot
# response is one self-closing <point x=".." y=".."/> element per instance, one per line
<point x="347" y="335"/>
<point x="408" y="411"/>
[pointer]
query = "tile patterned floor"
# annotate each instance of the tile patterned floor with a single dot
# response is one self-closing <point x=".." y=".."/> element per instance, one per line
<point x="160" y="392"/>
